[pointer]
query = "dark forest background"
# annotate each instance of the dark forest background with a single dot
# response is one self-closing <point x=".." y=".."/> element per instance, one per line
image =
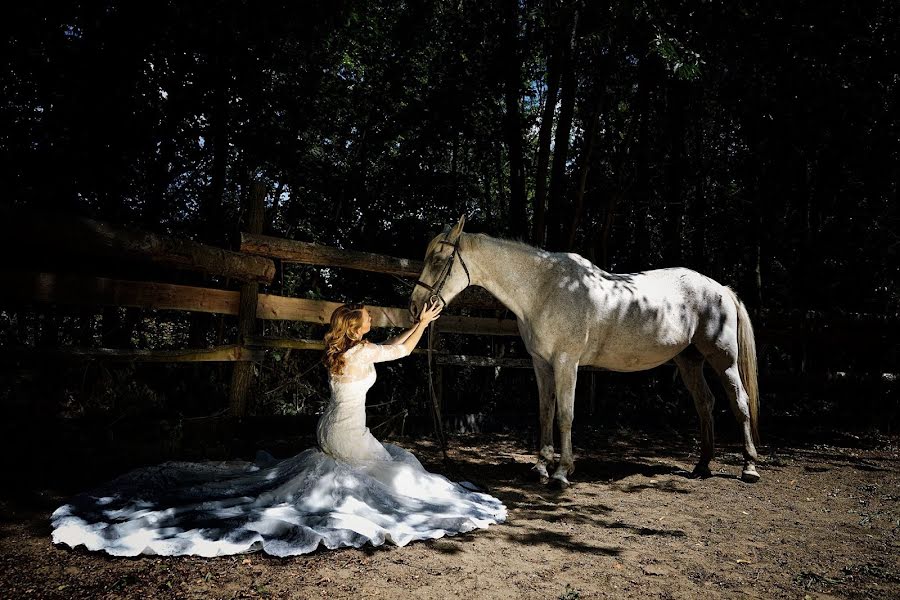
<point x="755" y="142"/>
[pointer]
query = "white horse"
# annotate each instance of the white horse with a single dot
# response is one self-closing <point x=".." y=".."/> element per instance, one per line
<point x="571" y="313"/>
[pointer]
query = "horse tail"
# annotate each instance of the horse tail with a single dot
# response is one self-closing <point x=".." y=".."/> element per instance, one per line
<point x="747" y="363"/>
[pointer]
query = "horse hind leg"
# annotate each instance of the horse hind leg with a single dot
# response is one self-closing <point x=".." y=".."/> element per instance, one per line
<point x="544" y="375"/>
<point x="690" y="366"/>
<point x="740" y="406"/>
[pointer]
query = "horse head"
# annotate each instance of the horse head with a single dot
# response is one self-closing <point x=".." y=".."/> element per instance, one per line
<point x="445" y="273"/>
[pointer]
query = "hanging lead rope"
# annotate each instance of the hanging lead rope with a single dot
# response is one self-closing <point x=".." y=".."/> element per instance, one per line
<point x="435" y="402"/>
<point x="435" y="290"/>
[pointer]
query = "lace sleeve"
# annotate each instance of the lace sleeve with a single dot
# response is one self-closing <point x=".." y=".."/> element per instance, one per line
<point x="374" y="353"/>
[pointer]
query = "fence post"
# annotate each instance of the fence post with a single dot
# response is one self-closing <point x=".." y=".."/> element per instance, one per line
<point x="242" y="375"/>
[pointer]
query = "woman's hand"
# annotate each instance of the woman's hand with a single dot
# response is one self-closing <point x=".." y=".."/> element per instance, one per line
<point x="431" y="312"/>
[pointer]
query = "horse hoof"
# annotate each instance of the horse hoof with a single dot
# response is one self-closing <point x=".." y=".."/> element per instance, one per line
<point x="559" y="482"/>
<point x="749" y="475"/>
<point x="542" y="473"/>
<point x="701" y="473"/>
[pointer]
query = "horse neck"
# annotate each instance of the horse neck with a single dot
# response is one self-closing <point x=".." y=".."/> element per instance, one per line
<point x="505" y="269"/>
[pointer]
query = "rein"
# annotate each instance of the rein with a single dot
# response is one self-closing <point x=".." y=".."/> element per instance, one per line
<point x="436" y="416"/>
<point x="435" y="290"/>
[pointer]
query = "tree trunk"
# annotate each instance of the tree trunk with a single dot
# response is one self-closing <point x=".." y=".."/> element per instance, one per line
<point x="697" y="206"/>
<point x="639" y="195"/>
<point x="756" y="181"/>
<point x="584" y="168"/>
<point x="557" y="204"/>
<point x="591" y="128"/>
<point x="157" y="206"/>
<point x="276" y="206"/>
<point x="554" y="57"/>
<point x="211" y="203"/>
<point x="49" y="329"/>
<point x="513" y="122"/>
<point x="674" y="204"/>
<point x="86" y="327"/>
<point x="606" y="230"/>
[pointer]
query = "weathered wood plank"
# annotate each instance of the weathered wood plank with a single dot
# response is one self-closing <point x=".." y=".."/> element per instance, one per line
<point x="92" y="291"/>
<point x="483" y="361"/>
<point x="314" y="254"/>
<point x="461" y="360"/>
<point x="40" y="233"/>
<point x="248" y="304"/>
<point x="286" y="343"/>
<point x="70" y="289"/>
<point x="476" y="325"/>
<point x="230" y="353"/>
<point x="299" y="344"/>
<point x="319" y="311"/>
<point x="81" y="290"/>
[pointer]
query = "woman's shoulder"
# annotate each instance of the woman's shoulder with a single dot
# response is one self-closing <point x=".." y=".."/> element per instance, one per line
<point x="356" y="347"/>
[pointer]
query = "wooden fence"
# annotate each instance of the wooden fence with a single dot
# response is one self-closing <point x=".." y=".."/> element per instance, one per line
<point x="252" y="265"/>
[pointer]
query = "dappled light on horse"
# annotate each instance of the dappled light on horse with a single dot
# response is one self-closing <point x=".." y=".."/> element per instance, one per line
<point x="571" y="313"/>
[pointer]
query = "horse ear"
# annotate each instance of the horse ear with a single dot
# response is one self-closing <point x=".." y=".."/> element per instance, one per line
<point x="457" y="229"/>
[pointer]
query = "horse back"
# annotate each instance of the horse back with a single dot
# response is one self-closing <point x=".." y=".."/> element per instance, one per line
<point x="622" y="321"/>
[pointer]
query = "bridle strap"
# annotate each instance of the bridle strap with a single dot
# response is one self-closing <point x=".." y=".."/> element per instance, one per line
<point x="446" y="271"/>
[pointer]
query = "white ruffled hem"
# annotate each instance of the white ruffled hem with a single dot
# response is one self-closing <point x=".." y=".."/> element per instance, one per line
<point x="283" y="508"/>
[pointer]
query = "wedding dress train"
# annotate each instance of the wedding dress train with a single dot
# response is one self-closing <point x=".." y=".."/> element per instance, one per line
<point x="350" y="491"/>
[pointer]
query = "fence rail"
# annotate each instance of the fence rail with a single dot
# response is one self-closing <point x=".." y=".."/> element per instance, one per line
<point x="253" y="265"/>
<point x="227" y="353"/>
<point x="42" y="234"/>
<point x="98" y="291"/>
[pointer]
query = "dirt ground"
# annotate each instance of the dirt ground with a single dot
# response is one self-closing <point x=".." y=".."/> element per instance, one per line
<point x="822" y="523"/>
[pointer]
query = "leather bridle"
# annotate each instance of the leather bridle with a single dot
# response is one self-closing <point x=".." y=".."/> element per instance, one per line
<point x="446" y="270"/>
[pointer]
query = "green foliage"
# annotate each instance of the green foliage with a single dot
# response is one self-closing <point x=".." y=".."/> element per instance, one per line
<point x="756" y="144"/>
<point x="684" y="64"/>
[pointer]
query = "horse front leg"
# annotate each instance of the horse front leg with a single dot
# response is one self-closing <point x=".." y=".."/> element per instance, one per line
<point x="565" y="376"/>
<point x="544" y="375"/>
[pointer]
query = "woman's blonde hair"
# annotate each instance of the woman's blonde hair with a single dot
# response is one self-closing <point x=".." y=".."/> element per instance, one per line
<point x="346" y="321"/>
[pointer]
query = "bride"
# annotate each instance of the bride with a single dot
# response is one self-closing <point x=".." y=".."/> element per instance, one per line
<point x="349" y="491"/>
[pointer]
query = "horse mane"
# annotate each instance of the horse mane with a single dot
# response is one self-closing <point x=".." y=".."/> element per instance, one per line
<point x="514" y="243"/>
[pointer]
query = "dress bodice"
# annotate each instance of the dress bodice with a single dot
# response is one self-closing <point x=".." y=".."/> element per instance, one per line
<point x="342" y="430"/>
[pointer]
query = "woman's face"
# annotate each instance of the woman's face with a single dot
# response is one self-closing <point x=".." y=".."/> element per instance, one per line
<point x="366" y="323"/>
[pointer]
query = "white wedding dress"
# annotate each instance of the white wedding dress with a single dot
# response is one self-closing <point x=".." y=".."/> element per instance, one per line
<point x="350" y="491"/>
